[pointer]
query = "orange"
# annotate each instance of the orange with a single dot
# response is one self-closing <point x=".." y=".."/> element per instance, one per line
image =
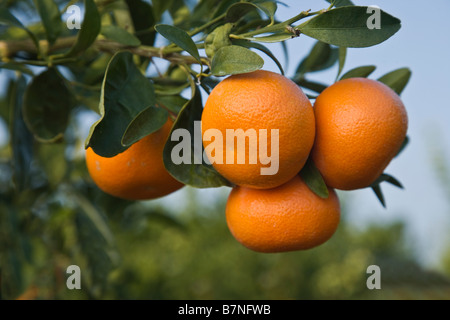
<point x="138" y="173"/>
<point x="289" y="217"/>
<point x="255" y="101"/>
<point x="360" y="126"/>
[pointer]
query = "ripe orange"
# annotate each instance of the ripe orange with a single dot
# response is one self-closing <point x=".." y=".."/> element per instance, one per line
<point x="255" y="101"/>
<point x="360" y="126"/>
<point x="289" y="217"/>
<point x="138" y="173"/>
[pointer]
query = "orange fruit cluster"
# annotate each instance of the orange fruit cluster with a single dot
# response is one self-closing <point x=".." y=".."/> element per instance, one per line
<point x="351" y="134"/>
<point x="353" y="131"/>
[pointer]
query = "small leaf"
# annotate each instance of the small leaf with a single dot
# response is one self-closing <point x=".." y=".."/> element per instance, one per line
<point x="180" y="38"/>
<point x="125" y="94"/>
<point x="143" y="20"/>
<point x="120" y="35"/>
<point x="260" y="47"/>
<point x="90" y="28"/>
<point x="388" y="178"/>
<point x="377" y="189"/>
<point x="359" y="72"/>
<point x="403" y="146"/>
<point x="311" y="85"/>
<point x="234" y="60"/>
<point x="397" y="79"/>
<point x="47" y="106"/>
<point x="312" y="177"/>
<point x="145" y="123"/>
<point x="51" y="18"/>
<point x="347" y="27"/>
<point x="196" y="172"/>
<point x="322" y="56"/>
<point x="342" y="58"/>
<point x="240" y="9"/>
<point x="376" y="186"/>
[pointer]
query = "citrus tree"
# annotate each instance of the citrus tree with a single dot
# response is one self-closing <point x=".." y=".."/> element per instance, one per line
<point x="146" y="67"/>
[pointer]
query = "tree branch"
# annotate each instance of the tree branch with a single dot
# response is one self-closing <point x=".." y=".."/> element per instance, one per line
<point x="9" y="48"/>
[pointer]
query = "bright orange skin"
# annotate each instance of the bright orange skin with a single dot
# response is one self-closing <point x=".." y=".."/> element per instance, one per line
<point x="261" y="100"/>
<point x="138" y="173"/>
<point x="290" y="217"/>
<point x="360" y="126"/>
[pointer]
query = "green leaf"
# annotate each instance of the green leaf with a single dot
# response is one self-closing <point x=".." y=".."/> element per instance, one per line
<point x="322" y="56"/>
<point x="90" y="28"/>
<point x="21" y="137"/>
<point x="173" y="103"/>
<point x="234" y="60"/>
<point x="9" y="19"/>
<point x="342" y="58"/>
<point x="260" y="47"/>
<point x="269" y="8"/>
<point x="120" y="35"/>
<point x="377" y="189"/>
<point x="143" y="20"/>
<point x="47" y="106"/>
<point x="376" y="186"/>
<point x="311" y="85"/>
<point x="347" y="27"/>
<point x="312" y="177"/>
<point x="16" y="67"/>
<point x="95" y="217"/>
<point x="179" y="37"/>
<point x="359" y="72"/>
<point x="341" y="3"/>
<point x="403" y="146"/>
<point x="397" y="79"/>
<point x="196" y="173"/>
<point x="166" y="89"/>
<point x="388" y="178"/>
<point x="50" y="17"/>
<point x="240" y="9"/>
<point x="145" y="123"/>
<point x="125" y="94"/>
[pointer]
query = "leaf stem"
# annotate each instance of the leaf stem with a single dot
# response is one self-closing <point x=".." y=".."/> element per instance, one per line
<point x="276" y="27"/>
<point x="8" y="48"/>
